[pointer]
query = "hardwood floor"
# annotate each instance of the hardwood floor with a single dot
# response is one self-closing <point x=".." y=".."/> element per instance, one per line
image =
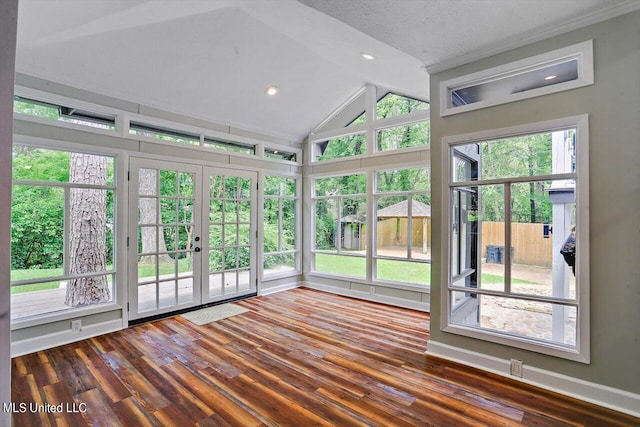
<point x="297" y="358"/>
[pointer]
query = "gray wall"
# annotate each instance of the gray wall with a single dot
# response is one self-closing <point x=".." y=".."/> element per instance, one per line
<point x="613" y="105"/>
<point x="8" y="25"/>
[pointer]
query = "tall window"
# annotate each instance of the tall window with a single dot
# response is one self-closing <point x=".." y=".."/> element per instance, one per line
<point x="340" y="206"/>
<point x="518" y="238"/>
<point x="403" y="226"/>
<point x="62" y="231"/>
<point x="280" y="224"/>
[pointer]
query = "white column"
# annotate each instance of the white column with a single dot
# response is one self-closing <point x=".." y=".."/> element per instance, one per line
<point x="8" y="26"/>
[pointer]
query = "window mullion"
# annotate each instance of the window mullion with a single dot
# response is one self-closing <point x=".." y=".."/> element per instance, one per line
<point x="65" y="226"/>
<point x="338" y="242"/>
<point x="280" y="221"/>
<point x="409" y="225"/>
<point x="507" y="237"/>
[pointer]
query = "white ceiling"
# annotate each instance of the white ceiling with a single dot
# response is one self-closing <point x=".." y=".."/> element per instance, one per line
<point x="213" y="59"/>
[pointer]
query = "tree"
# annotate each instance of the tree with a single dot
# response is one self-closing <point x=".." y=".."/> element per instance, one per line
<point x="148" y="185"/>
<point x="528" y="155"/>
<point x="87" y="231"/>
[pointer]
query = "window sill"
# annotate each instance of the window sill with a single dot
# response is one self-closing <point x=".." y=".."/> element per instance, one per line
<point x="547" y="348"/>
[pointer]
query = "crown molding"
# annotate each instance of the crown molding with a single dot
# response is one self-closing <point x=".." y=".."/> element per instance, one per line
<point x="546" y="32"/>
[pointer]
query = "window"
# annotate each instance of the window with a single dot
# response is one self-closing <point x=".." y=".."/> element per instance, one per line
<point x="61" y="113"/>
<point x="274" y="153"/>
<point x="562" y="69"/>
<point x="405" y="136"/>
<point x="392" y="105"/>
<point x="337" y="148"/>
<point x="163" y="134"/>
<point x="340" y="206"/>
<point x="236" y="147"/>
<point x="62" y="231"/>
<point x="280" y="225"/>
<point x="400" y="122"/>
<point x="403" y="226"/>
<point x="515" y="197"/>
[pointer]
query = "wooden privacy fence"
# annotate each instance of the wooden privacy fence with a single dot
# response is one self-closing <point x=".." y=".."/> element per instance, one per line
<point x="393" y="231"/>
<point x="527" y="240"/>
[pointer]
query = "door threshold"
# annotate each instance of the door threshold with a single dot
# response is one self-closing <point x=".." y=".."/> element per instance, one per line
<point x="187" y="310"/>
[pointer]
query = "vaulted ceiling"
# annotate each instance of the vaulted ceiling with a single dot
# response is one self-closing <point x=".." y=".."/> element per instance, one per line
<point x="213" y="59"/>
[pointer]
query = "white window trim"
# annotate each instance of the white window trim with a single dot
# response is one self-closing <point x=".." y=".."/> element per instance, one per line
<point x="582" y="52"/>
<point x="582" y="351"/>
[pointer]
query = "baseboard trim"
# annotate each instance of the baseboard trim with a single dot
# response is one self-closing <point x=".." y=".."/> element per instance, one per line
<point x="43" y="342"/>
<point x="598" y="394"/>
<point x="280" y="288"/>
<point x="383" y="299"/>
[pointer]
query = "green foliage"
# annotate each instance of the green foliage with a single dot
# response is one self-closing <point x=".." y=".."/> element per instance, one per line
<point x="38" y="110"/>
<point x="412" y="135"/>
<point x="37" y="211"/>
<point x="417" y="179"/>
<point x="343" y="185"/>
<point x="406" y="136"/>
<point x="395" y="105"/>
<point x="521" y="156"/>
<point x="279" y="221"/>
<point x="346" y="146"/>
<point x="37" y="227"/>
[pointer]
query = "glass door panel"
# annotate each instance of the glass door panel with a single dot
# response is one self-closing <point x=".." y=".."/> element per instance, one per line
<point x="231" y="241"/>
<point x="166" y="275"/>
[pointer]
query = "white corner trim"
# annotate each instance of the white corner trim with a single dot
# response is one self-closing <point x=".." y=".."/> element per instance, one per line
<point x="279" y="288"/>
<point x="546" y="32"/>
<point x="598" y="394"/>
<point x="43" y="342"/>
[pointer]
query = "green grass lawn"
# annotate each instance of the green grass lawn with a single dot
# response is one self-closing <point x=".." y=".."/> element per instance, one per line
<point x="397" y="271"/>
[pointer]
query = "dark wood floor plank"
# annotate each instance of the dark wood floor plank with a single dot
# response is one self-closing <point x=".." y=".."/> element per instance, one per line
<point x="296" y="358"/>
<point x="107" y="381"/>
<point x="98" y="409"/>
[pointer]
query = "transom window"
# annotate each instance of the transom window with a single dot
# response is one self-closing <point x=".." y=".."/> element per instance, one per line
<point x="516" y="207"/>
<point x="398" y="122"/>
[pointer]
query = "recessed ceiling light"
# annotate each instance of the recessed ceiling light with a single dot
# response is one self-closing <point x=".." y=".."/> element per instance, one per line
<point x="550" y="77"/>
<point x="366" y="55"/>
<point x="271" y="90"/>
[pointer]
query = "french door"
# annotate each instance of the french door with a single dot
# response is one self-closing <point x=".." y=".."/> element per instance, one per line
<point x="192" y="236"/>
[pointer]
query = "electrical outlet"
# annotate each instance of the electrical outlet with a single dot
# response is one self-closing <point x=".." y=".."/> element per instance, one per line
<point x="516" y="368"/>
<point x="372" y="290"/>
<point x="76" y="326"/>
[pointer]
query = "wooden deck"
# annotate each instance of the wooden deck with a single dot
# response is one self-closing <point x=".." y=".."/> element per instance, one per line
<point x="297" y="358"/>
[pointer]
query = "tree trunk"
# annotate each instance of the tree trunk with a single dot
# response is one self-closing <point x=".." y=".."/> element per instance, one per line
<point x="148" y="185"/>
<point x="87" y="231"/>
